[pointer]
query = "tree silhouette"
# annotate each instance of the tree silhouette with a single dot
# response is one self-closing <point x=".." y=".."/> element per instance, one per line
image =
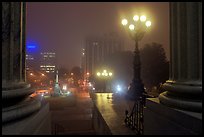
<point x="77" y="74"/>
<point x="121" y="63"/>
<point x="63" y="73"/>
<point x="154" y="65"/>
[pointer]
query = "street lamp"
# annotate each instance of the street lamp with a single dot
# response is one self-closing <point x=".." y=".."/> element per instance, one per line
<point x="104" y="75"/>
<point x="138" y="27"/>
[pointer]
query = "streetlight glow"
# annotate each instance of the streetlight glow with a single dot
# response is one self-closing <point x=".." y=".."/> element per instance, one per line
<point x="98" y="74"/>
<point x="124" y="22"/>
<point x="136" y="18"/>
<point x="148" y="23"/>
<point x="110" y="74"/>
<point x="104" y="73"/>
<point x="131" y="27"/>
<point x="142" y="18"/>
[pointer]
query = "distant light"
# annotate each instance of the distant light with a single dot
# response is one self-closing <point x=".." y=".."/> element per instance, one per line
<point x="136" y="18"/>
<point x="124" y="22"/>
<point x="142" y="18"/>
<point x="64" y="87"/>
<point x="31" y="47"/>
<point x="118" y="88"/>
<point x="104" y="70"/>
<point x="31" y="74"/>
<point x="87" y="73"/>
<point x="90" y="85"/>
<point x="110" y="74"/>
<point x="148" y="23"/>
<point x="93" y="88"/>
<point x="43" y="74"/>
<point x="98" y="74"/>
<point x="106" y="74"/>
<point x="131" y="27"/>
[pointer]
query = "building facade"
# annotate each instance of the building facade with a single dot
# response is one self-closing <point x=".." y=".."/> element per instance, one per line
<point x="29" y="62"/>
<point x="97" y="50"/>
<point x="47" y="62"/>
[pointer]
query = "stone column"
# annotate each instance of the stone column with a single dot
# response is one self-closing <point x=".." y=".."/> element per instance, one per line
<point x="15" y="91"/>
<point x="183" y="90"/>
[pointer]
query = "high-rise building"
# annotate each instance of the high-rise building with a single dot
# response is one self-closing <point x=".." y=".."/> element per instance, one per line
<point x="48" y="62"/>
<point x="97" y="49"/>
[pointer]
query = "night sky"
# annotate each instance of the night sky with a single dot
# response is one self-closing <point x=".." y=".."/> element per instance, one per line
<point x="62" y="27"/>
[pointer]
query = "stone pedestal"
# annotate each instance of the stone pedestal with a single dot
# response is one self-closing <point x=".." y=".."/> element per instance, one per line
<point x="37" y="123"/>
<point x="162" y="120"/>
<point x="16" y="103"/>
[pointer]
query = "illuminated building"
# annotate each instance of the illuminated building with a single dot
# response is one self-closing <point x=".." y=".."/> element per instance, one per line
<point x="48" y="62"/>
<point x="29" y="61"/>
<point x="32" y="51"/>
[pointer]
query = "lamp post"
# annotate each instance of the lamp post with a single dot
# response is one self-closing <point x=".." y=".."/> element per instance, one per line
<point x="104" y="74"/>
<point x="137" y="30"/>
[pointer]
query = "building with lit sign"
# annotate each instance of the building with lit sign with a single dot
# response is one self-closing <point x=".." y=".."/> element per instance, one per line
<point x="48" y="62"/>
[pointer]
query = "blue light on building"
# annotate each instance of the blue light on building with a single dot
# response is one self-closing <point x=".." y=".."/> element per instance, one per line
<point x="32" y="46"/>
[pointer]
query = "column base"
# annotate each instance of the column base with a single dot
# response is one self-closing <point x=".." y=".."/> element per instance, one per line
<point x="16" y="102"/>
<point x="20" y="110"/>
<point x="38" y="123"/>
<point x="182" y="96"/>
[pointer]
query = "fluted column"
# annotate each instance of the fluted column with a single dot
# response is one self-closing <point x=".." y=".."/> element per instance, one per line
<point x="15" y="90"/>
<point x="183" y="90"/>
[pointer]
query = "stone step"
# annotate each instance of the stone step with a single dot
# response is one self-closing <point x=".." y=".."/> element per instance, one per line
<point x="71" y="117"/>
<point x="86" y="132"/>
<point x="72" y="127"/>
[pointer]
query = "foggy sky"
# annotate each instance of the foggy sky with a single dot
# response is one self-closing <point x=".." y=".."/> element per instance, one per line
<point x="62" y="27"/>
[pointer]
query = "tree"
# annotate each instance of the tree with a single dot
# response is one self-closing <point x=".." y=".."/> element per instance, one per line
<point x="77" y="74"/>
<point x="63" y="73"/>
<point x="154" y="65"/>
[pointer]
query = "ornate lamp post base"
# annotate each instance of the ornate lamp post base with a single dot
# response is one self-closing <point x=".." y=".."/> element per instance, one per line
<point x="135" y="90"/>
<point x="135" y="119"/>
